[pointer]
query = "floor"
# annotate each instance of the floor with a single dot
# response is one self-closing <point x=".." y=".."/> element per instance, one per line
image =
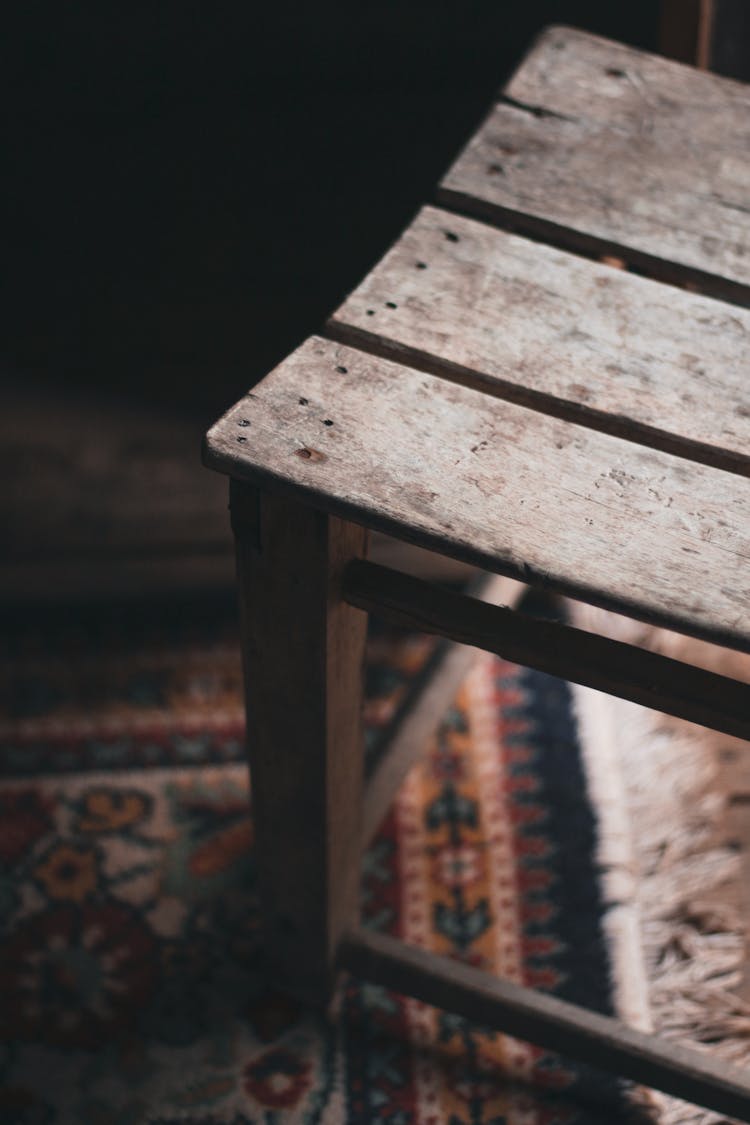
<point x="103" y="500"/>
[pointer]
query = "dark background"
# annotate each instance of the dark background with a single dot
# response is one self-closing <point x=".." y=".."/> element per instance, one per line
<point x="192" y="187"/>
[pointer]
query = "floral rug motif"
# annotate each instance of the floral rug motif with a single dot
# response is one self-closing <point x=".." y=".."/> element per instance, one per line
<point x="130" y="987"/>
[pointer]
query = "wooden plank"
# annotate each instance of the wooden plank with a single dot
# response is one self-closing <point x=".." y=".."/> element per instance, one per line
<point x="551" y="330"/>
<point x="616" y="151"/>
<point x="505" y="488"/>
<point x="619" y="669"/>
<point x="427" y="712"/>
<point x="548" y="1022"/>
<point x="303" y="651"/>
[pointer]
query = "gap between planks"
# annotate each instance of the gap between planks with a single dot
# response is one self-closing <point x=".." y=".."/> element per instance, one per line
<point x="501" y="487"/>
<point x="617" y="150"/>
<point x="618" y="425"/>
<point x="591" y="247"/>
<point x="574" y="339"/>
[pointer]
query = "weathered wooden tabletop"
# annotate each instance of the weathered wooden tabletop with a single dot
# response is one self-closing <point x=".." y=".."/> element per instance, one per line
<point x="539" y="413"/>
<point x="614" y="150"/>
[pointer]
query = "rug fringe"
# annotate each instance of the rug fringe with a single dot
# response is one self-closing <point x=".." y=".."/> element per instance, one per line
<point x="677" y="945"/>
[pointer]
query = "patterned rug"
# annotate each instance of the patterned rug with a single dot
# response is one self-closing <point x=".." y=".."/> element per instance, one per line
<point x="130" y="992"/>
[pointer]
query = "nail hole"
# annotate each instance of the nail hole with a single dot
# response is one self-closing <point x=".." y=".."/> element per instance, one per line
<point x="451" y="236"/>
<point x="371" y="312"/>
<point x="342" y="370"/>
<point x="327" y="422"/>
<point x="243" y="422"/>
<point x="495" y="169"/>
<point x="241" y="439"/>
<point x="303" y="402"/>
<point x="615" y="72"/>
<point x="391" y="305"/>
<point x="310" y="454"/>
<point x="421" y="265"/>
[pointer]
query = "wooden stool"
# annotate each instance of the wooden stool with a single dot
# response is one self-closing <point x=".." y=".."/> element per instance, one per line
<point x="542" y="415"/>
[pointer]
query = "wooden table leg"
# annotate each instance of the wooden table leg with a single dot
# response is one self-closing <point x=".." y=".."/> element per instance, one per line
<point x="303" y="651"/>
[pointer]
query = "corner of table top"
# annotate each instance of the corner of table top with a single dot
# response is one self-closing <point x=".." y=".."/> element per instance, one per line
<point x="214" y="453"/>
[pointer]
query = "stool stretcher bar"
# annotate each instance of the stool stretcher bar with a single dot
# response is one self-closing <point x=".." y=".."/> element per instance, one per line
<point x="546" y="1021"/>
<point x="406" y="744"/>
<point x="597" y="662"/>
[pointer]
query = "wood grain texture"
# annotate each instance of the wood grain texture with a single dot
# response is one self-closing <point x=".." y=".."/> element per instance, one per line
<point x="303" y="651"/>
<point x="643" y="677"/>
<point x="548" y="1022"/>
<point x="505" y="488"/>
<point x="618" y="151"/>
<point x="575" y="338"/>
